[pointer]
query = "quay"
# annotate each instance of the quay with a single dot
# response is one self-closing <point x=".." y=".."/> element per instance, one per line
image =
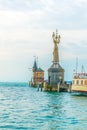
<point x="48" y="88"/>
<point x="58" y="88"/>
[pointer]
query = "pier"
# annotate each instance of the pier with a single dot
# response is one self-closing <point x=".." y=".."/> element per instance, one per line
<point x="55" y="80"/>
<point x="58" y="88"/>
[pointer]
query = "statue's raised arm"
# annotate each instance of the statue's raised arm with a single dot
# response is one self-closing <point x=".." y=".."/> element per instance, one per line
<point x="56" y="38"/>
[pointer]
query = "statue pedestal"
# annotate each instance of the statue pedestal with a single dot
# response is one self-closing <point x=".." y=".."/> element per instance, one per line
<point x="55" y="74"/>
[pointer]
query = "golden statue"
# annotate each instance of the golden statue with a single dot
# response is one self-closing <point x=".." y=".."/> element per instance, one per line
<point x="56" y="40"/>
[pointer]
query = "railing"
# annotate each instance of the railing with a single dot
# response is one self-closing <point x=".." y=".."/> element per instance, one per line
<point x="80" y="75"/>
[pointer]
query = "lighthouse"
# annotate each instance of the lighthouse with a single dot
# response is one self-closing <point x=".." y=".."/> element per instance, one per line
<point x="55" y="72"/>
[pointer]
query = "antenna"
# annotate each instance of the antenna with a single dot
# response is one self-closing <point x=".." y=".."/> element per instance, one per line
<point x="76" y="65"/>
<point x="83" y="70"/>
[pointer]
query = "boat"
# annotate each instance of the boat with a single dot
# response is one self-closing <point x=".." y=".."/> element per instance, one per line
<point x="79" y="83"/>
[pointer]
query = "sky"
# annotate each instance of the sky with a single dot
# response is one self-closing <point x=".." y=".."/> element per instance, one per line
<point x="26" y="28"/>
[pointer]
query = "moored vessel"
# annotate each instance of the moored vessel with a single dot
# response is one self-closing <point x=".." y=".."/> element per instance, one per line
<point x="79" y="83"/>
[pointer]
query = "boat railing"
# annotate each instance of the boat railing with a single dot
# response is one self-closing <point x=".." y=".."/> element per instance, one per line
<point x="80" y="75"/>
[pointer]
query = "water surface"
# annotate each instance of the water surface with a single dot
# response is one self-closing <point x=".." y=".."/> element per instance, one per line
<point x="23" y="107"/>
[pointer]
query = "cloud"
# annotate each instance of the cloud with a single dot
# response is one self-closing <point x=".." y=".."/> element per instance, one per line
<point x="48" y="13"/>
<point x="73" y="44"/>
<point x="20" y="5"/>
<point x="26" y="30"/>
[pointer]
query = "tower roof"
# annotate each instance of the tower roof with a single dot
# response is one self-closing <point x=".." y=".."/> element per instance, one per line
<point x="40" y="70"/>
<point x="35" y="65"/>
<point x="56" y="67"/>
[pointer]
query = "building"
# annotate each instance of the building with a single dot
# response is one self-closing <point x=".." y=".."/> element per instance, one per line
<point x="55" y="72"/>
<point x="38" y="74"/>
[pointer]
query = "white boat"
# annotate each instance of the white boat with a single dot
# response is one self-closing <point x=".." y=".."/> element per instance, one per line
<point x="79" y="83"/>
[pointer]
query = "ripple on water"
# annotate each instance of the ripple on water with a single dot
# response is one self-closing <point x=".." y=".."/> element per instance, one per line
<point x="26" y="109"/>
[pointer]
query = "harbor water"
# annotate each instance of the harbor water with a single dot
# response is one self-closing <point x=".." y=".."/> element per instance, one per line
<point x="24" y="108"/>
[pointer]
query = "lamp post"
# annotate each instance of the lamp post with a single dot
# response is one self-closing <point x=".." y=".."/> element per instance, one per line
<point x="60" y="80"/>
<point x="59" y="83"/>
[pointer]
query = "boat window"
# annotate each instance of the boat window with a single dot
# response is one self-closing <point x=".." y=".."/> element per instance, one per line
<point x="77" y="82"/>
<point x="85" y="82"/>
<point x="81" y="81"/>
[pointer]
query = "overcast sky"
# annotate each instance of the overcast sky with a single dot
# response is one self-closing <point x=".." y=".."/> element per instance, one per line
<point x="26" y="28"/>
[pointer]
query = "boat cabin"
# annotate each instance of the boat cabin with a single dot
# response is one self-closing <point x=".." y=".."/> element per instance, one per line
<point x="80" y="79"/>
<point x="79" y="83"/>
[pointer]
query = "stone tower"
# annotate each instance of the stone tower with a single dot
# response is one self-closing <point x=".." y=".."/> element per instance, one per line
<point x="55" y="72"/>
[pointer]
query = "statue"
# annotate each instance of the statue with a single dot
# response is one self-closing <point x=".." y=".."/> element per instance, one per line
<point x="56" y="40"/>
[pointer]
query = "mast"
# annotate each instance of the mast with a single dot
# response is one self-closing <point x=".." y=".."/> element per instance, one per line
<point x="83" y="70"/>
